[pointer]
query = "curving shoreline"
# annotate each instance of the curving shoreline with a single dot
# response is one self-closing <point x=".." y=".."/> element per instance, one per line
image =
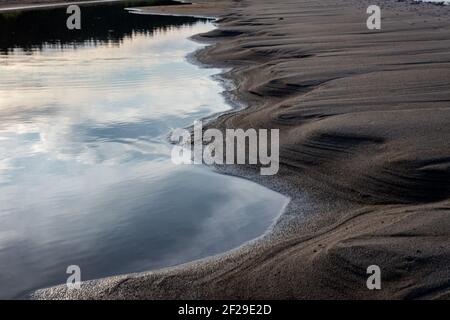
<point x="364" y="122"/>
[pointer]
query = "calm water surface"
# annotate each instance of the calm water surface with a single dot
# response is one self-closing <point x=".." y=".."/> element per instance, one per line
<point x="85" y="173"/>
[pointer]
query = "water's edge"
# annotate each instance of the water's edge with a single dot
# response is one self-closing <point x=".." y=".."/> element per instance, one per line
<point x="228" y="85"/>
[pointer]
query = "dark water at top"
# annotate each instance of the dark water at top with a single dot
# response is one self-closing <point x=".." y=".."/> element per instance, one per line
<point x="85" y="171"/>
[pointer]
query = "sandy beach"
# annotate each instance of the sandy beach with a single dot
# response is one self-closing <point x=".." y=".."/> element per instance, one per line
<point x="363" y="118"/>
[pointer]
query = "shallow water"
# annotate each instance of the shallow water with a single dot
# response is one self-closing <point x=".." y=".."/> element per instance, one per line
<point x="85" y="173"/>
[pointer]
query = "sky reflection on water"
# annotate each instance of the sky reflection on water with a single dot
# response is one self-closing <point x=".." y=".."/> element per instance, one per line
<point x="85" y="173"/>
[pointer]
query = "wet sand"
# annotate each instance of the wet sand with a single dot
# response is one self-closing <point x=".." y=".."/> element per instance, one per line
<point x="363" y="118"/>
